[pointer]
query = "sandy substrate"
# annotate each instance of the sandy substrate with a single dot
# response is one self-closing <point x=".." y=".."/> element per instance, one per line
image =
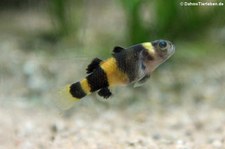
<point x="98" y="127"/>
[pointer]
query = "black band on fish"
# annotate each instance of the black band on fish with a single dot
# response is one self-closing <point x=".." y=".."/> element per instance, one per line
<point x="127" y="61"/>
<point x="97" y="80"/>
<point x="76" y="90"/>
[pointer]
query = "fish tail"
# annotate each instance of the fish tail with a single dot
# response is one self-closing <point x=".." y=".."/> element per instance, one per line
<point x="72" y="93"/>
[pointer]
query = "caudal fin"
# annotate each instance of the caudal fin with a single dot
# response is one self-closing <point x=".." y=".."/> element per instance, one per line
<point x="70" y="94"/>
<point x="65" y="99"/>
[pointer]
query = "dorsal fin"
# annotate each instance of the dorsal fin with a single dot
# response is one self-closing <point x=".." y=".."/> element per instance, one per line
<point x="118" y="49"/>
<point x="93" y="65"/>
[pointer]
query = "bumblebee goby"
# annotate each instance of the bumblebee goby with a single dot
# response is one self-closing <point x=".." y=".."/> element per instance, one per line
<point x="132" y="65"/>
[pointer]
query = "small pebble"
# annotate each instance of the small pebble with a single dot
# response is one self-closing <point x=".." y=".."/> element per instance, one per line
<point x="180" y="142"/>
<point x="131" y="143"/>
<point x="217" y="143"/>
<point x="166" y="141"/>
<point x="156" y="136"/>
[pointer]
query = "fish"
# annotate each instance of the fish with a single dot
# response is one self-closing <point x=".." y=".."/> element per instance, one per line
<point x="132" y="65"/>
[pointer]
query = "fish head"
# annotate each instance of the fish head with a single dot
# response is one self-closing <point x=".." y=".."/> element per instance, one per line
<point x="164" y="49"/>
<point x="156" y="52"/>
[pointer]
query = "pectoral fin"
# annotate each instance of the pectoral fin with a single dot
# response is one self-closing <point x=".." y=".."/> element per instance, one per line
<point x="141" y="81"/>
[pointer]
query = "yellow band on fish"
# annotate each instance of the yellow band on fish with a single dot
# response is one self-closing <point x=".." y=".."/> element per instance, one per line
<point x="149" y="47"/>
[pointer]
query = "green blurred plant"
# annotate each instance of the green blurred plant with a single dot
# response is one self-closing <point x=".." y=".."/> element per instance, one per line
<point x="170" y="20"/>
<point x="59" y="13"/>
<point x="136" y="29"/>
<point x="66" y="16"/>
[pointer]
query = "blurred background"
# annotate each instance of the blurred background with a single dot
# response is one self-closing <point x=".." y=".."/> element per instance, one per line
<point x="46" y="44"/>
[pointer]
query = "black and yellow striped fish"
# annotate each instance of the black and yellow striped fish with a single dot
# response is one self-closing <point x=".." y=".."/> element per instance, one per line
<point x="132" y="65"/>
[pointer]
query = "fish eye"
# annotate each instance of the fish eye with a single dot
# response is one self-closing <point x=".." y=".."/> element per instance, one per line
<point x="162" y="44"/>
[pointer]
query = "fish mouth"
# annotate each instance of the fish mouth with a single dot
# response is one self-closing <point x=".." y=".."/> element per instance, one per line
<point x="172" y="49"/>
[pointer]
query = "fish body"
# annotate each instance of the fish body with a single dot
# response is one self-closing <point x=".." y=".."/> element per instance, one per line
<point x="132" y="65"/>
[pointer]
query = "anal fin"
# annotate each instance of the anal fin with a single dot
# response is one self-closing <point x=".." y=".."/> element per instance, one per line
<point x="93" y="65"/>
<point x="105" y="93"/>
